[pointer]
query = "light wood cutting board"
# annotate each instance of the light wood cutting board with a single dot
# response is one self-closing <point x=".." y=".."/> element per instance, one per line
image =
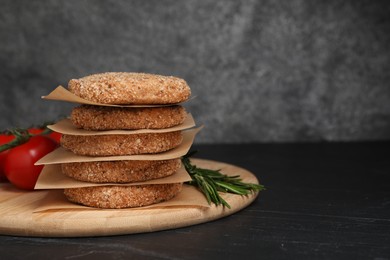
<point x="17" y="216"/>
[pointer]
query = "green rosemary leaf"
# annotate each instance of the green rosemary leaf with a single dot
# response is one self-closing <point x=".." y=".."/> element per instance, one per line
<point x="212" y="182"/>
<point x="232" y="188"/>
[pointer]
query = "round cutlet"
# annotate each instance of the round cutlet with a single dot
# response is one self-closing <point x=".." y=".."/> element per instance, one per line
<point x="110" y="118"/>
<point x="126" y="88"/>
<point x="115" y="197"/>
<point x="120" y="171"/>
<point x="117" y="145"/>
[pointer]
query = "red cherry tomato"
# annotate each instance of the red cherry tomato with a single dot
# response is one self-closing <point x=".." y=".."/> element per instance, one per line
<point x="4" y="138"/>
<point x="53" y="135"/>
<point x="35" y="130"/>
<point x="19" y="165"/>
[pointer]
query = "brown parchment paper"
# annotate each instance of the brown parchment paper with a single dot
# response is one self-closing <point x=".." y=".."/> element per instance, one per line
<point x="61" y="155"/>
<point x="65" y="126"/>
<point x="51" y="177"/>
<point x="188" y="197"/>
<point x="62" y="94"/>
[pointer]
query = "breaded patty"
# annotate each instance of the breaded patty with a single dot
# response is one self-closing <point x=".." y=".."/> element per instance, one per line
<point x="120" y="171"/>
<point x="125" y="88"/>
<point x="116" y="145"/>
<point x="115" y="197"/>
<point x="110" y="118"/>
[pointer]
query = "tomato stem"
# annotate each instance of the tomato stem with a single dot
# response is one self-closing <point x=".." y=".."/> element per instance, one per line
<point x="21" y="136"/>
<point x="46" y="131"/>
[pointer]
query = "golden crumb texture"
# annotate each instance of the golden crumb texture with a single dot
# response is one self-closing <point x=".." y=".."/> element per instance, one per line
<point x="117" y="145"/>
<point x="126" y="118"/>
<point x="116" y="197"/>
<point x="120" y="171"/>
<point x="129" y="88"/>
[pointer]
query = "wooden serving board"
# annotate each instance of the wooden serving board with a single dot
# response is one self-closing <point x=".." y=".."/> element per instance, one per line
<point x="17" y="216"/>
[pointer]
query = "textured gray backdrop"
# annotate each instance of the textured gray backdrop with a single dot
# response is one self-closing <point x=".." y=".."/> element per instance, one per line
<point x="263" y="71"/>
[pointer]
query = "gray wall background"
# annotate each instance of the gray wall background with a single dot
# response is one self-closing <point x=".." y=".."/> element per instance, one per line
<point x="262" y="71"/>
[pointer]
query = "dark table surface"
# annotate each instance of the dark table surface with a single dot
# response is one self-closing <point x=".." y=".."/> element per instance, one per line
<point x="323" y="201"/>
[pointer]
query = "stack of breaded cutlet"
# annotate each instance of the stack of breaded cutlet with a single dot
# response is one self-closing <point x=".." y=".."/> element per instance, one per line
<point x="153" y="101"/>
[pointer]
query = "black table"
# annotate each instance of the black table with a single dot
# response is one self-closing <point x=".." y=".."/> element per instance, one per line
<point x="323" y="201"/>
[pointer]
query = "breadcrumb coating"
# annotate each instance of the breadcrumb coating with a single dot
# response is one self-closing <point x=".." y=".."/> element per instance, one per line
<point x="116" y="197"/>
<point x="126" y="88"/>
<point x="120" y="171"/>
<point x="124" y="118"/>
<point x="116" y="145"/>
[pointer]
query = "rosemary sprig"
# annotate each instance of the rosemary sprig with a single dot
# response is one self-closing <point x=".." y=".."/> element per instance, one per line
<point x="213" y="182"/>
